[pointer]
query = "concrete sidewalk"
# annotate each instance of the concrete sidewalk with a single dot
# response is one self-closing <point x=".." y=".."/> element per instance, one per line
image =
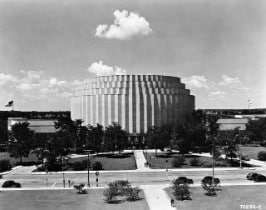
<point x="140" y="160"/>
<point x="23" y="170"/>
<point x="156" y="197"/>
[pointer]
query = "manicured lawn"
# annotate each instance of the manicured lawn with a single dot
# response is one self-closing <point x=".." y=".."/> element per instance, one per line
<point x="124" y="161"/>
<point x="13" y="161"/>
<point x="159" y="161"/>
<point x="252" y="152"/>
<point x="231" y="197"/>
<point x="63" y="200"/>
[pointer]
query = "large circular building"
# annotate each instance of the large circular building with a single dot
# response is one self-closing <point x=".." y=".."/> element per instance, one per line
<point x="136" y="102"/>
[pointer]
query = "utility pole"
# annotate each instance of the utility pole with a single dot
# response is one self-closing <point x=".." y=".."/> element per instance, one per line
<point x="210" y="135"/>
<point x="88" y="166"/>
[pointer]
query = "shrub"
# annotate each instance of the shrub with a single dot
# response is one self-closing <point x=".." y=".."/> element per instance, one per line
<point x="207" y="165"/>
<point x="114" y="188"/>
<point x="221" y="163"/>
<point x="132" y="193"/>
<point x="262" y="155"/>
<point x="80" y="188"/>
<point x="79" y="166"/>
<point x="181" y="192"/>
<point x="109" y="194"/>
<point x="210" y="185"/>
<point x="121" y="188"/>
<point x="4" y="165"/>
<point x="195" y="162"/>
<point x="181" y="188"/>
<point x="178" y="161"/>
<point x="97" y="166"/>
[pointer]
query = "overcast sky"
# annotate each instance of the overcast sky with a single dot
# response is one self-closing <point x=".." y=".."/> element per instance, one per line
<point x="217" y="48"/>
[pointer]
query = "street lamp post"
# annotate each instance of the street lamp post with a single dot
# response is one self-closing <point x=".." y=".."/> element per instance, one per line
<point x="240" y="154"/>
<point x="213" y="159"/>
<point x="88" y="166"/>
<point x="209" y="135"/>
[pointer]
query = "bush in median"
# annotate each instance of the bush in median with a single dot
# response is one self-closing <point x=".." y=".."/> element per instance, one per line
<point x="262" y="155"/>
<point x="97" y="166"/>
<point x="210" y="185"/>
<point x="178" y="161"/>
<point x="121" y="188"/>
<point x="195" y="162"/>
<point x="181" y="188"/>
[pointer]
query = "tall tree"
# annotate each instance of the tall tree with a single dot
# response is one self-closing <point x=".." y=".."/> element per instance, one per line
<point x="257" y="129"/>
<point x="73" y="133"/>
<point x="95" y="138"/>
<point x="20" y="140"/>
<point x="155" y="139"/>
<point x="115" y="139"/>
<point x="229" y="139"/>
<point x="181" y="137"/>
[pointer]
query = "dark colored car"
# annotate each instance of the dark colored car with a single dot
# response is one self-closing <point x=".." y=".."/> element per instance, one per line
<point x="252" y="176"/>
<point x="183" y="180"/>
<point x="11" y="183"/>
<point x="260" y="178"/>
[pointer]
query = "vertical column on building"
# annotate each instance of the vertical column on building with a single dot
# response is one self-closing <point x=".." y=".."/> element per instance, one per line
<point x="134" y="105"/>
<point x="86" y="113"/>
<point x="138" y="106"/>
<point x="91" y="110"/>
<point x="103" y="109"/>
<point x="130" y="105"/>
<point x="97" y="108"/>
<point x="123" y="106"/>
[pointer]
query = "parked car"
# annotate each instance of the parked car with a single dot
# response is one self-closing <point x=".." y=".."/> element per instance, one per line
<point x="11" y="183"/>
<point x="260" y="178"/>
<point x="252" y="176"/>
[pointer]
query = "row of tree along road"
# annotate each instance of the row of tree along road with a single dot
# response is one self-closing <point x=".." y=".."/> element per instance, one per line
<point x="198" y="134"/>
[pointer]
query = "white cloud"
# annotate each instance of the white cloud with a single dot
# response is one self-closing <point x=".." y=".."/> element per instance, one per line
<point x="217" y="94"/>
<point x="76" y="82"/>
<point x="55" y="82"/>
<point x="100" y="69"/>
<point x="232" y="82"/>
<point x="31" y="80"/>
<point x="33" y="90"/>
<point x="33" y="84"/>
<point x="126" y="25"/>
<point x="7" y="78"/>
<point x="196" y="81"/>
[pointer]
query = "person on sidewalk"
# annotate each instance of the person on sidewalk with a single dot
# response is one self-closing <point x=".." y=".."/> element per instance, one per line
<point x="172" y="202"/>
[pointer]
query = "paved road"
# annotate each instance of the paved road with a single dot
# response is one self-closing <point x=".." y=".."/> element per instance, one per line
<point x="136" y="177"/>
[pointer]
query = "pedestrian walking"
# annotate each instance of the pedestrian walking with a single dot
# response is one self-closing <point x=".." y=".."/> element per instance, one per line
<point x="172" y="202"/>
